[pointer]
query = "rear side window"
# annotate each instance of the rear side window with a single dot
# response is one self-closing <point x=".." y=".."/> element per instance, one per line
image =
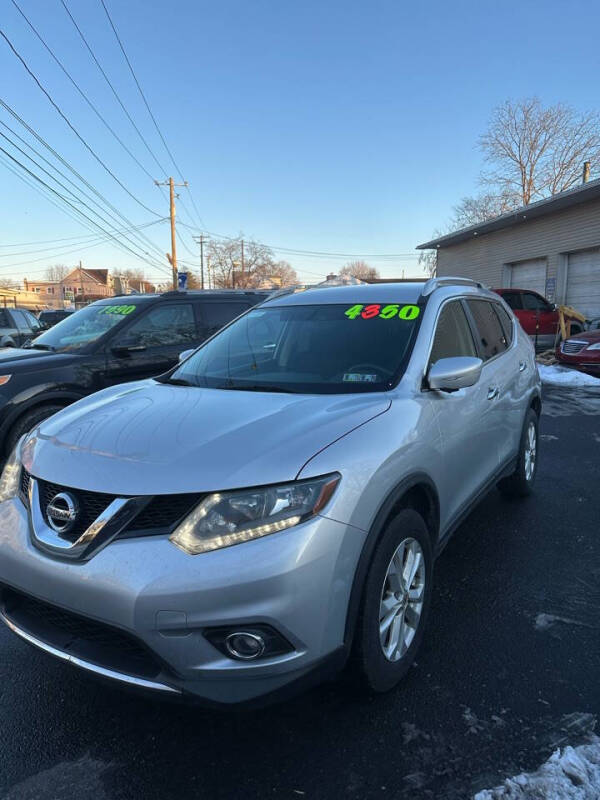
<point x="20" y="318"/>
<point x="453" y="335"/>
<point x="505" y="321"/>
<point x="491" y="338"/>
<point x="215" y="315"/>
<point x="513" y="300"/>
<point x="4" y="320"/>
<point x="533" y="302"/>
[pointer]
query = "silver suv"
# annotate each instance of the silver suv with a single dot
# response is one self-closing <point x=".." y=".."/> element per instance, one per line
<point x="271" y="508"/>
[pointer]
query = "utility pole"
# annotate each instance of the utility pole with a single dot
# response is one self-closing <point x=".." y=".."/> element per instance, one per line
<point x="172" y="256"/>
<point x="200" y="240"/>
<point x="243" y="280"/>
<point x="81" y="282"/>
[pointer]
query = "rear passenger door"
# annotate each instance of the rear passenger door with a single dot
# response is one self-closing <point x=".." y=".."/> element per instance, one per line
<point x="500" y="376"/>
<point x="465" y="417"/>
<point x="215" y="314"/>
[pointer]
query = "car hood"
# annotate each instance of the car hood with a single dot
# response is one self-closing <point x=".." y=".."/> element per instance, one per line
<point x="16" y="355"/>
<point x="591" y="337"/>
<point x="152" y="438"/>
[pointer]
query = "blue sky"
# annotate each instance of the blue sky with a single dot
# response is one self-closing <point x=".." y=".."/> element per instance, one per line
<point x="330" y="126"/>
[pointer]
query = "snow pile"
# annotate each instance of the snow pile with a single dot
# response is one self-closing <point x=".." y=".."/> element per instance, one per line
<point x="573" y="774"/>
<point x="563" y="376"/>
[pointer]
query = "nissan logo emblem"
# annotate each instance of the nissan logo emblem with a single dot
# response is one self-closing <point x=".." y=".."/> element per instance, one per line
<point x="62" y="512"/>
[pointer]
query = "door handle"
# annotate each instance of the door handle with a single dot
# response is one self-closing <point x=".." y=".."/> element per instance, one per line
<point x="493" y="393"/>
<point x="522" y="366"/>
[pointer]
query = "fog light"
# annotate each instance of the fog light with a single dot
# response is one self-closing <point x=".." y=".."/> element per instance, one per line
<point x="245" y="645"/>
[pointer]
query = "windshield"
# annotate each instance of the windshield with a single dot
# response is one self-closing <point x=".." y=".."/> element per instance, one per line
<point x="306" y="349"/>
<point x="82" y="327"/>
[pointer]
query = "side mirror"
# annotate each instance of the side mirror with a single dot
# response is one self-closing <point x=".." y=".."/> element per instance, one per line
<point x="128" y="346"/>
<point x="185" y="354"/>
<point x="451" y="374"/>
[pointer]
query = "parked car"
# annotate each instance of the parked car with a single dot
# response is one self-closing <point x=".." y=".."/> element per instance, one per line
<point x="52" y="316"/>
<point x="581" y="351"/>
<point x="240" y="525"/>
<point x="111" y="341"/>
<point x="538" y="317"/>
<point x="17" y="326"/>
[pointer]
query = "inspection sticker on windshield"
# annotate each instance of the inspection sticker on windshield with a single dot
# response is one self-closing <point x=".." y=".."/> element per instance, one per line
<point x="383" y="311"/>
<point x="359" y="377"/>
<point x="118" y="310"/>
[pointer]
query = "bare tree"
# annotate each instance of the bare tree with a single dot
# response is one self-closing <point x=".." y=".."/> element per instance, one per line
<point x="57" y="273"/>
<point x="535" y="151"/>
<point x="479" y="208"/>
<point x="257" y="268"/>
<point x="360" y="269"/>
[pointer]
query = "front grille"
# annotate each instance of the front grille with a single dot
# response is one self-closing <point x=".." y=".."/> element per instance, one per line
<point x="162" y="513"/>
<point x="24" y="486"/>
<point x="572" y="346"/>
<point x="91" y="505"/>
<point x="77" y="635"/>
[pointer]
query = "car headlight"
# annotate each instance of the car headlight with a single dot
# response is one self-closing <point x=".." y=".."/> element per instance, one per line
<point x="229" y="518"/>
<point x="595" y="346"/>
<point x="9" y="481"/>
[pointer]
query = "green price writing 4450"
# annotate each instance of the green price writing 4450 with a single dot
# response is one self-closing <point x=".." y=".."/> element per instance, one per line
<point x="383" y="311"/>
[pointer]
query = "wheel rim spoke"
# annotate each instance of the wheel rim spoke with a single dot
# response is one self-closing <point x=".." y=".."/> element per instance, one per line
<point x="401" y="602"/>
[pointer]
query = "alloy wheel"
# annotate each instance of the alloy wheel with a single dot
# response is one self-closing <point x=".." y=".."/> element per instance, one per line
<point x="402" y="599"/>
<point x="530" y="451"/>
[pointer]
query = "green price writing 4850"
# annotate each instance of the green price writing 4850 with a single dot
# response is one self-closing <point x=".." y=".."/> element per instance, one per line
<point x="383" y="312"/>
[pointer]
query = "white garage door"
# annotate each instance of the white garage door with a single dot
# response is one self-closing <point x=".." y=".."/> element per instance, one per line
<point x="529" y="275"/>
<point x="583" y="282"/>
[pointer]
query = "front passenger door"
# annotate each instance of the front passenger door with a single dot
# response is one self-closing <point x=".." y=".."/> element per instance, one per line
<point x="151" y="344"/>
<point x="469" y="438"/>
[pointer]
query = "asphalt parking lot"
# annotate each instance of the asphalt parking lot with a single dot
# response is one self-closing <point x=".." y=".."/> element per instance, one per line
<point x="509" y="670"/>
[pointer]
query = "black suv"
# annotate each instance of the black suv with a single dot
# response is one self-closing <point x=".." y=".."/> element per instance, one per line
<point x="51" y="317"/>
<point x="17" y="326"/>
<point x="111" y="341"/>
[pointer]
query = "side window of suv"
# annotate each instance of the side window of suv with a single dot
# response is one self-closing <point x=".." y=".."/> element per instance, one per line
<point x="20" y="319"/>
<point x="492" y="340"/>
<point x="453" y="335"/>
<point x="165" y="324"/>
<point x="215" y="315"/>
<point x="5" y="322"/>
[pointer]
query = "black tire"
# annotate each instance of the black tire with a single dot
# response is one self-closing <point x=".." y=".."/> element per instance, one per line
<point x="520" y="483"/>
<point x="27" y="422"/>
<point x="374" y="669"/>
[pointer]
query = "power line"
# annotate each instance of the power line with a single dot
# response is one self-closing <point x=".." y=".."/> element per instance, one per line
<point x="114" y="91"/>
<point x="81" y="92"/>
<point x="318" y="253"/>
<point x="64" y="199"/>
<point x="152" y="117"/>
<point x="141" y="237"/>
<point x="84" y="242"/>
<point x="68" y="166"/>
<point x="72" y="127"/>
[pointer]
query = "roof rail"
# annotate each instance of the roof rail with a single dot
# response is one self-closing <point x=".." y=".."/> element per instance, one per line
<point x="449" y="280"/>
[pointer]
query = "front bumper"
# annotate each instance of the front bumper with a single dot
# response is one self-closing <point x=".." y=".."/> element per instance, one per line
<point x="297" y="581"/>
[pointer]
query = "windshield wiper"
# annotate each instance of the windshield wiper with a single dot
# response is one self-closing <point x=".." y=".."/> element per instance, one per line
<point x="256" y="387"/>
<point x="177" y="382"/>
<point x="39" y="346"/>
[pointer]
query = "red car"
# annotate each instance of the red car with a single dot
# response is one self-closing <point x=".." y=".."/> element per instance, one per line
<point x="581" y="351"/>
<point x="536" y="315"/>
